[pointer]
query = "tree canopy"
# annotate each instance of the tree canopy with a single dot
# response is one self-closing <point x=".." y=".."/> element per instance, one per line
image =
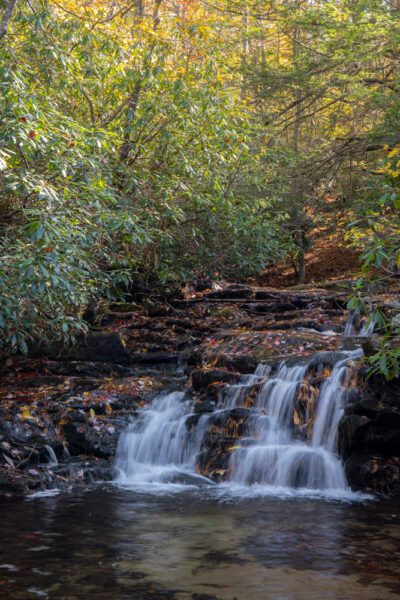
<point x="164" y="138"/>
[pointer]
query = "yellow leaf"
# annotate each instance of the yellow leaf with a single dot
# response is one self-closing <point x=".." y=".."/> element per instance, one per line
<point x="234" y="447"/>
<point x="92" y="413"/>
<point x="26" y="415"/>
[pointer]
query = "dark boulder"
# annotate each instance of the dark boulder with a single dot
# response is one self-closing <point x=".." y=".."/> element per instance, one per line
<point x="103" y="347"/>
<point x="369" y="437"/>
<point x="76" y="436"/>
<point x="244" y="363"/>
<point x="204" y="406"/>
<point x="353" y="435"/>
<point x="201" y="379"/>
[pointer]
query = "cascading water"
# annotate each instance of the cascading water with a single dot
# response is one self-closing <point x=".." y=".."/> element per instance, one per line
<point x="276" y="457"/>
<point x="353" y="329"/>
<point x="160" y="448"/>
<point x="157" y="445"/>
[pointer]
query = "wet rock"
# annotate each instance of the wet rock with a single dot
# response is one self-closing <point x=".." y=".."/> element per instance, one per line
<point x="103" y="347"/>
<point x="121" y="401"/>
<point x="179" y="322"/>
<point x="264" y="295"/>
<point x="224" y="426"/>
<point x="97" y="470"/>
<point x="200" y="379"/>
<point x="79" y="368"/>
<point x="155" y="357"/>
<point x="374" y="473"/>
<point x="370" y="345"/>
<point x="201" y="284"/>
<point x="194" y="358"/>
<point x="192" y="421"/>
<point x="75" y="434"/>
<point x="243" y="363"/>
<point x="99" y="408"/>
<point x="369" y="437"/>
<point x="275" y="307"/>
<point x="204" y="406"/>
<point x="353" y="435"/>
<point x="214" y="464"/>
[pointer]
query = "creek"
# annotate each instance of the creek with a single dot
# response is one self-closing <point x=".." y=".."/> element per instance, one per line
<point x="225" y="492"/>
<point x="192" y="543"/>
<point x="269" y="456"/>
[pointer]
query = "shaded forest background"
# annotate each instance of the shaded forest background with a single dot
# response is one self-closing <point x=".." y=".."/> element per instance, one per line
<point x="162" y="140"/>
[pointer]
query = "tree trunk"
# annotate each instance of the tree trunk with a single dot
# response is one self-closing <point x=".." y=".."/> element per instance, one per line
<point x="135" y="97"/>
<point x="295" y="187"/>
<point x="7" y="18"/>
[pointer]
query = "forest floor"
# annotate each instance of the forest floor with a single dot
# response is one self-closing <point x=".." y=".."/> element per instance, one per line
<point x="328" y="259"/>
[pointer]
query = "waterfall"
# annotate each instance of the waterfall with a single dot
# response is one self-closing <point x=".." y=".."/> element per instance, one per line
<point x="273" y="455"/>
<point x="160" y="448"/>
<point x="158" y="444"/>
<point x="353" y="327"/>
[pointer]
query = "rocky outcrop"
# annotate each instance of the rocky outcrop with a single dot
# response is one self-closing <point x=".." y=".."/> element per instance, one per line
<point x="103" y="347"/>
<point x="369" y="438"/>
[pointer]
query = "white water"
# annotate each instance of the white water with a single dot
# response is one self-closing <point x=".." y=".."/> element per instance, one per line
<point x="350" y="329"/>
<point x="159" y="449"/>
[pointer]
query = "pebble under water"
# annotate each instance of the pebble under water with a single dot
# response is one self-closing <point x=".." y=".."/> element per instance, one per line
<point x="110" y="543"/>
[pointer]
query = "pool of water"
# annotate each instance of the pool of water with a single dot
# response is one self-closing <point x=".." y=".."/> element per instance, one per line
<point x="106" y="542"/>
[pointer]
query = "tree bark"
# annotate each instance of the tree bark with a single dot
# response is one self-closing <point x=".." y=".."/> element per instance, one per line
<point x="135" y="97"/>
<point x="7" y="17"/>
<point x="295" y="187"/>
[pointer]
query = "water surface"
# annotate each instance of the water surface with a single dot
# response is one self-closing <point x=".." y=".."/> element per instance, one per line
<point x="183" y="543"/>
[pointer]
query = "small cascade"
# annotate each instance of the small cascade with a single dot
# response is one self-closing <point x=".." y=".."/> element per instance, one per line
<point x="52" y="456"/>
<point x="354" y="328"/>
<point x="160" y="447"/>
<point x="273" y="455"/>
<point x="158" y="444"/>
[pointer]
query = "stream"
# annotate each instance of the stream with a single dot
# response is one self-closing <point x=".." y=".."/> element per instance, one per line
<point x="228" y="486"/>
<point x="278" y="530"/>
<point x="107" y="542"/>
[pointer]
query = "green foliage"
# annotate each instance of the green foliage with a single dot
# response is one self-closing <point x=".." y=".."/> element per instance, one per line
<point x="385" y="362"/>
<point x="77" y="219"/>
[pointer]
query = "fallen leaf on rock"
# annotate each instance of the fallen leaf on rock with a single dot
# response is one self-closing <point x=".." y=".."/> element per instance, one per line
<point x="9" y="460"/>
